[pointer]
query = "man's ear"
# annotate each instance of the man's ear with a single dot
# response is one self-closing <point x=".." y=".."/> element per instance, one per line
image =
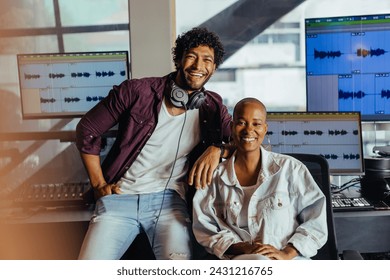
<point x="214" y="68"/>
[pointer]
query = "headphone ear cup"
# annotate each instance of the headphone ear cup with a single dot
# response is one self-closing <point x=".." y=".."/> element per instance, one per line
<point x="179" y="97"/>
<point x="196" y="99"/>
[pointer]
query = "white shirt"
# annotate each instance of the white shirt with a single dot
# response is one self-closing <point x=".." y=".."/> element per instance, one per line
<point x="152" y="169"/>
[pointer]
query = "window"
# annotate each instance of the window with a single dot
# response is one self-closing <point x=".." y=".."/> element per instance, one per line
<point x="270" y="65"/>
<point x="49" y="26"/>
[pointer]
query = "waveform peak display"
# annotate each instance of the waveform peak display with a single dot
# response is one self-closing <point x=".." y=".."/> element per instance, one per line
<point x="71" y="99"/>
<point x="326" y="54"/>
<point x="74" y="75"/>
<point x="79" y="75"/>
<point x="370" y="52"/>
<point x="385" y="93"/>
<point x="330" y="156"/>
<point x="47" y="100"/>
<point x="105" y="74"/>
<point x="94" y="98"/>
<point x="55" y="76"/>
<point x="286" y="132"/>
<point x="313" y="132"/>
<point x="337" y="132"/>
<point x="351" y="156"/>
<point x="31" y="76"/>
<point x="351" y="94"/>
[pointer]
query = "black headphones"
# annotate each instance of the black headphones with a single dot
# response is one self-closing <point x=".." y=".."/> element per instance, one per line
<point x="180" y="98"/>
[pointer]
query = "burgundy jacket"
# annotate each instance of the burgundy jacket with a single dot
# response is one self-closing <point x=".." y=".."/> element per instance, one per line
<point x="134" y="106"/>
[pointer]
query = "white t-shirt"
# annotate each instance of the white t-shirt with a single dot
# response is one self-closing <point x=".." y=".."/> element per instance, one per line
<point x="243" y="218"/>
<point x="152" y="168"/>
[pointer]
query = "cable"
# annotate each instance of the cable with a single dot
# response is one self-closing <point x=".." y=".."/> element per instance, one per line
<point x="170" y="175"/>
<point x="347" y="185"/>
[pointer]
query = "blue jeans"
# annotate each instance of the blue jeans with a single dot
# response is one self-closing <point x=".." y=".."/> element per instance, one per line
<point x="118" y="219"/>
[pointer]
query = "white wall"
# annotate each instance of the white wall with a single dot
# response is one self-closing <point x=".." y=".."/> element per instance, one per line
<point x="152" y="34"/>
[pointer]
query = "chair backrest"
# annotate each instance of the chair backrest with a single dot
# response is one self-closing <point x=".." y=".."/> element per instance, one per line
<point x="319" y="169"/>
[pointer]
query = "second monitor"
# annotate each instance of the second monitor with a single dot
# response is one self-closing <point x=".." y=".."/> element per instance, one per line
<point x="335" y="135"/>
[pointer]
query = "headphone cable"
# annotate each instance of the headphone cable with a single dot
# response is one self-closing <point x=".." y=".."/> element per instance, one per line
<point x="170" y="175"/>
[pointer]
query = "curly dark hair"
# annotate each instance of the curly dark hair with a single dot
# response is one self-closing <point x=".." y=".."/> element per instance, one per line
<point x="195" y="37"/>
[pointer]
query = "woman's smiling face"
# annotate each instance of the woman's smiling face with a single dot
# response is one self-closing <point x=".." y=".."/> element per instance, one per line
<point x="249" y="125"/>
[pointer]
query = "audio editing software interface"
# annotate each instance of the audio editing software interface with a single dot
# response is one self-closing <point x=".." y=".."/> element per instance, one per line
<point x="334" y="135"/>
<point x="61" y="85"/>
<point x="348" y="65"/>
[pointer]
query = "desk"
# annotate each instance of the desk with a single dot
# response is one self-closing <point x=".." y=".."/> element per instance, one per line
<point x="365" y="231"/>
<point x="53" y="234"/>
<point x="42" y="234"/>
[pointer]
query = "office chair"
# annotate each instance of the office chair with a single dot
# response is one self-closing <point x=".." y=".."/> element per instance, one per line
<point x="319" y="169"/>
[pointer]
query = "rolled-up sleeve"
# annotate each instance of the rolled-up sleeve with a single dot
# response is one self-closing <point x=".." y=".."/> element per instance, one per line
<point x="97" y="121"/>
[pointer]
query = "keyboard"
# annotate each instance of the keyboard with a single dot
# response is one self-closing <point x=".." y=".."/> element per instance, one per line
<point x="52" y="195"/>
<point x="351" y="204"/>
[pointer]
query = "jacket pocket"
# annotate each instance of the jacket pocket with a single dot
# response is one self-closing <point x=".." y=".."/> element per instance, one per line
<point x="278" y="219"/>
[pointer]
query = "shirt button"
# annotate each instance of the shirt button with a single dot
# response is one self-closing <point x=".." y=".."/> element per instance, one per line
<point x="205" y="121"/>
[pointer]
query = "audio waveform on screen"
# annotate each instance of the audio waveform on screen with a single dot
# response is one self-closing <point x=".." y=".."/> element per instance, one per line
<point x="351" y="94"/>
<point x="292" y="132"/>
<point x="94" y="98"/>
<point x="330" y="156"/>
<point x="79" y="75"/>
<point x="337" y="132"/>
<point x="371" y="52"/>
<point x="313" y="132"/>
<point x="345" y="156"/>
<point x="47" y="100"/>
<point x="31" y="76"/>
<point x="326" y="54"/>
<point x="385" y="93"/>
<point x="99" y="74"/>
<point x="351" y="156"/>
<point x="71" y="99"/>
<point x="55" y="76"/>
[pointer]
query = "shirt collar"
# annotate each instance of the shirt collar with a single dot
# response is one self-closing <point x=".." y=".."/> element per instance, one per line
<point x="269" y="167"/>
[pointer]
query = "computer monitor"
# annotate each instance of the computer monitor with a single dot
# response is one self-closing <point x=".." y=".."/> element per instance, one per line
<point x="348" y="65"/>
<point x="335" y="135"/>
<point x="67" y="85"/>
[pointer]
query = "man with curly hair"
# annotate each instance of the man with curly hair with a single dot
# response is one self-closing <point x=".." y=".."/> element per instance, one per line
<point x="165" y="126"/>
